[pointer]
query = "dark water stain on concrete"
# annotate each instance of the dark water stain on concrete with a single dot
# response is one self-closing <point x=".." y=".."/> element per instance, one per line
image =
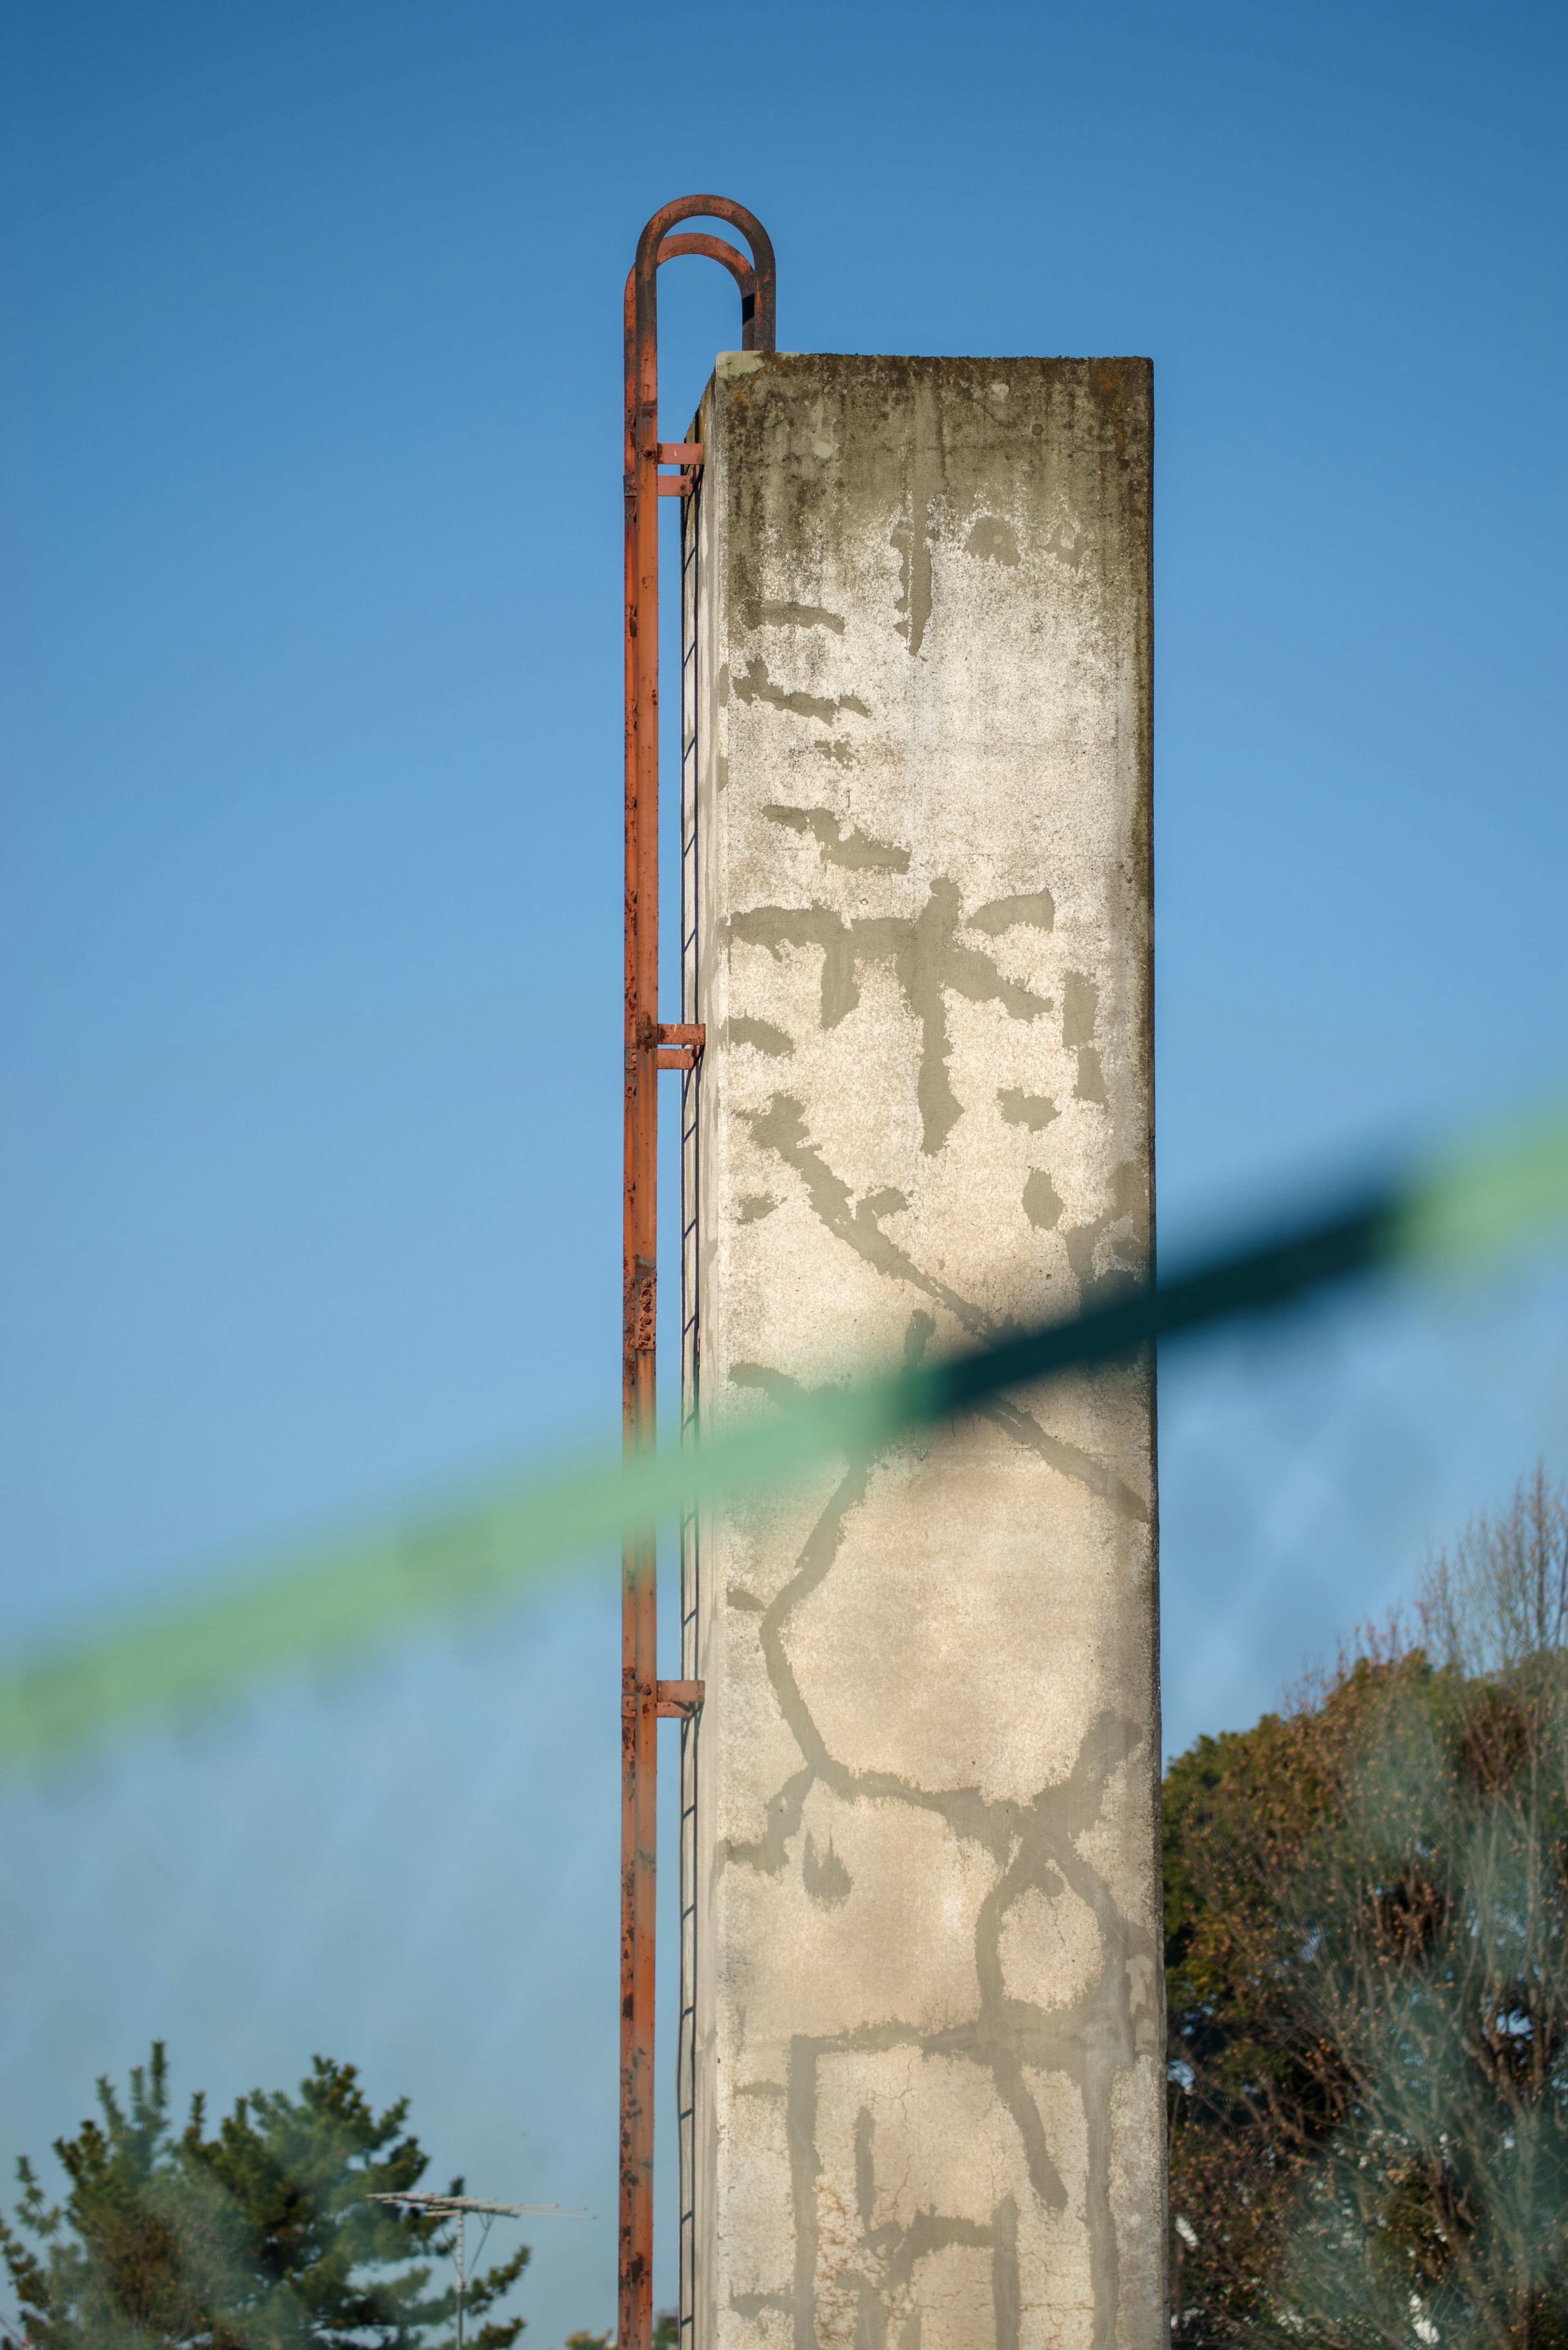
<point x="1129" y="1262"/>
<point x="756" y="613"/>
<point x="1018" y="1108"/>
<point x="1080" y="1009"/>
<point x="1035" y="907"/>
<point x="1041" y="1205"/>
<point x="840" y="845"/>
<point x="826" y="1878"/>
<point x="764" y="1036"/>
<point x="756" y="685"/>
<point x="777" y="1385"/>
<point x="1090" y="1083"/>
<point x="992" y="539"/>
<point x="840" y="750"/>
<point x="925" y="479"/>
<point x="1080" y="1003"/>
<point x="928" y="959"/>
<point x="752" y="2305"/>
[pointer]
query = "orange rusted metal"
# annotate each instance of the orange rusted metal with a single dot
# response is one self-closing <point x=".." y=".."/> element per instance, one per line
<point x="678" y="1700"/>
<point x="648" y="1048"/>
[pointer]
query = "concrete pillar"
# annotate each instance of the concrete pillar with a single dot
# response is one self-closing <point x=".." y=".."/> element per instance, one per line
<point x="925" y="2049"/>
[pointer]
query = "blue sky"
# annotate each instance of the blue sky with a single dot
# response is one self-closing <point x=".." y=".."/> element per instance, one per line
<point x="310" y="718"/>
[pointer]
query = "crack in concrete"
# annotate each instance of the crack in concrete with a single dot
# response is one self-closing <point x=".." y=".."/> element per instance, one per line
<point x="1031" y="1840"/>
<point x="1032" y="1844"/>
<point x="1035" y="1844"/>
<point x="895" y="2252"/>
<point x="1087" y="2043"/>
<point x="1068" y="1459"/>
<point x="780" y="1128"/>
<point x="928" y="959"/>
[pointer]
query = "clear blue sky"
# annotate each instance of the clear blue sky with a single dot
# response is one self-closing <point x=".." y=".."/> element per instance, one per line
<point x="309" y="384"/>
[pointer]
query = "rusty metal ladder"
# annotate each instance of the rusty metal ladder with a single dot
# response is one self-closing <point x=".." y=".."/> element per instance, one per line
<point x="651" y="1046"/>
<point x="691" y="1352"/>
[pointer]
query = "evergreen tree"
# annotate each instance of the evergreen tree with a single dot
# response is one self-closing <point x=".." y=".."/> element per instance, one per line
<point x="260" y="2237"/>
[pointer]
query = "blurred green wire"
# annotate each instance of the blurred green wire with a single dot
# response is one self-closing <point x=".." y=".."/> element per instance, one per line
<point x="1460" y="1209"/>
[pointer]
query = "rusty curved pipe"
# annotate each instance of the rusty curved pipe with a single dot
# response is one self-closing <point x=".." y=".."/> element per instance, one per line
<point x="713" y="248"/>
<point x="639" y="1683"/>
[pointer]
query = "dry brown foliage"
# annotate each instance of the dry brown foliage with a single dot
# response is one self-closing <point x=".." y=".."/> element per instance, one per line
<point x="1366" y="1950"/>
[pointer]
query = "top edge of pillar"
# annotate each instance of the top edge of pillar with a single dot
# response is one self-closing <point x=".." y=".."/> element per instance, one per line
<point x="1074" y="397"/>
<point x="729" y="364"/>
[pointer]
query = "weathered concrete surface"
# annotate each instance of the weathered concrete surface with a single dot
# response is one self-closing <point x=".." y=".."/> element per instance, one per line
<point x="928" y="2026"/>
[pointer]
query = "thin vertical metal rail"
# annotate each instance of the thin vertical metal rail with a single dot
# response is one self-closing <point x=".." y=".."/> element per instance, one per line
<point x="650" y="1047"/>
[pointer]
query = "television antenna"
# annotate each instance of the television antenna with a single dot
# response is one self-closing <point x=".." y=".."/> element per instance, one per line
<point x="458" y="2206"/>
